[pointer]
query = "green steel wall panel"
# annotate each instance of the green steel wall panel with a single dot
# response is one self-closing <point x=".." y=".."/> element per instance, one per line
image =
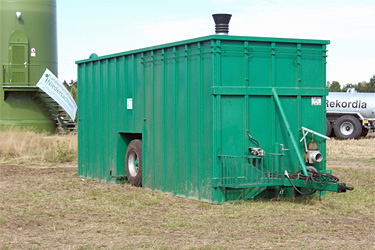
<point x="195" y="101"/>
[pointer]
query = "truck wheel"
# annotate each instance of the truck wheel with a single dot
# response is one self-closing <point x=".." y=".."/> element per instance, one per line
<point x="328" y="128"/>
<point x="364" y="132"/>
<point x="348" y="127"/>
<point x="133" y="163"/>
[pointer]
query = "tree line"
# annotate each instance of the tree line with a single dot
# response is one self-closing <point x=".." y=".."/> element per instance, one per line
<point x="364" y="86"/>
<point x="72" y="88"/>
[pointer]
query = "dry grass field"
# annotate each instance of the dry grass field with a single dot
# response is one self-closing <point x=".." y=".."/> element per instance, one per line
<point x="18" y="146"/>
<point x="44" y="205"/>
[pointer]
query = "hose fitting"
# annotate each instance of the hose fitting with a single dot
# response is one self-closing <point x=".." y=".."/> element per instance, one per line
<point x="314" y="156"/>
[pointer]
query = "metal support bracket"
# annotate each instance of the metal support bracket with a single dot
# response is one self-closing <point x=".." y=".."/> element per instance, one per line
<point x="305" y="132"/>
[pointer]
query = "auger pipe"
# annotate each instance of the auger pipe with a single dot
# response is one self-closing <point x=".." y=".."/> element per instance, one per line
<point x="290" y="134"/>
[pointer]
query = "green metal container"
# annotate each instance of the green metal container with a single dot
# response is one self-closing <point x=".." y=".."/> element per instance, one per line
<point x="200" y="108"/>
<point x="28" y="46"/>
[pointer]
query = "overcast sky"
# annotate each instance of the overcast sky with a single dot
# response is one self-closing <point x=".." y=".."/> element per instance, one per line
<point x="112" y="26"/>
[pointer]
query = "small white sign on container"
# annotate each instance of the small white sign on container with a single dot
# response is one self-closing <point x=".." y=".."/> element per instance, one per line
<point x="129" y="103"/>
<point x="316" y="101"/>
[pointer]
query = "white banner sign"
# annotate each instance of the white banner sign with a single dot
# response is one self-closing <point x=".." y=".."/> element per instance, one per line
<point x="50" y="84"/>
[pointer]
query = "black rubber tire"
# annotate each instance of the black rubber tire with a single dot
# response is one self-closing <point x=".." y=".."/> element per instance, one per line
<point x="133" y="163"/>
<point x="364" y="132"/>
<point x="328" y="128"/>
<point x="348" y="127"/>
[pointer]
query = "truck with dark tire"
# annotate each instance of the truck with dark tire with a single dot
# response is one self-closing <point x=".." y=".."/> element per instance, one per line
<point x="350" y="115"/>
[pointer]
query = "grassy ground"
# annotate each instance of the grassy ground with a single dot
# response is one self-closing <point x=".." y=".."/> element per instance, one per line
<point x="352" y="150"/>
<point x="46" y="206"/>
<point x="18" y="146"/>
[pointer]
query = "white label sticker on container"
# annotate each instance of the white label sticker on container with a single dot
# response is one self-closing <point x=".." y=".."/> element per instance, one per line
<point x="130" y="103"/>
<point x="316" y="101"/>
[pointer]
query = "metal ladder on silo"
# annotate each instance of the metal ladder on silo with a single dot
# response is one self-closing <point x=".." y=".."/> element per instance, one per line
<point x="63" y="122"/>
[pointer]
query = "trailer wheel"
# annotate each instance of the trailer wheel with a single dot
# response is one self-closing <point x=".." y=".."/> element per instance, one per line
<point x="133" y="163"/>
<point x="348" y="127"/>
<point x="328" y="128"/>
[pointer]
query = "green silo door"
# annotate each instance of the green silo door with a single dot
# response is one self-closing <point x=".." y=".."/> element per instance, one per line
<point x="18" y="59"/>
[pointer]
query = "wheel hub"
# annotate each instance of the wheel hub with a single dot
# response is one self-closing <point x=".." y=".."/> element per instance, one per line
<point x="347" y="128"/>
<point x="133" y="163"/>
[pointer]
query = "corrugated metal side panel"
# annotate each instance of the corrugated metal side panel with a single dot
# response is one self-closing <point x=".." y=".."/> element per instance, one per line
<point x="83" y="129"/>
<point x="172" y="109"/>
<point x="246" y="73"/>
<point x="102" y="108"/>
<point x="313" y="74"/>
<point x="177" y="111"/>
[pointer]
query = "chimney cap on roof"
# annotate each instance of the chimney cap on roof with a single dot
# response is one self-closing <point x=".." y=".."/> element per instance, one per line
<point x="222" y="23"/>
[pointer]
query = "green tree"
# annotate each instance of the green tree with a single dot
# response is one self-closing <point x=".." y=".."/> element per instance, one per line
<point x="74" y="92"/>
<point x="362" y="86"/>
<point x="372" y="83"/>
<point x="334" y="86"/>
<point x="72" y="88"/>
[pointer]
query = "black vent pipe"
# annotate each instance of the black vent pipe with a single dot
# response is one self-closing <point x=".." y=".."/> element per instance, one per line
<point x="222" y="23"/>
